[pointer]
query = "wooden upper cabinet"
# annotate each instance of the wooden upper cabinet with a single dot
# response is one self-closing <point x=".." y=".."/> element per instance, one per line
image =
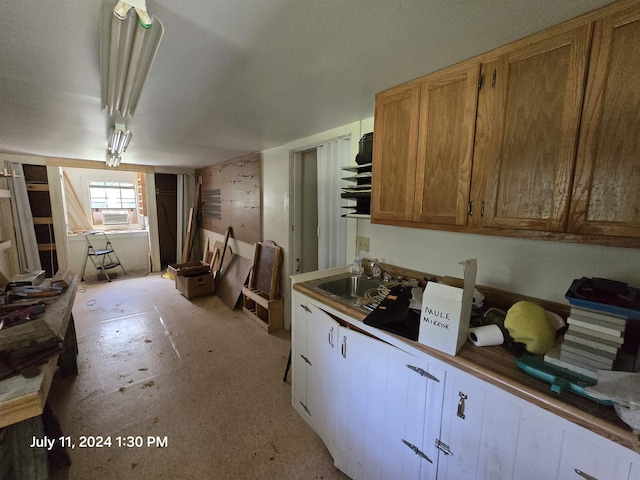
<point x="534" y="131"/>
<point x="606" y="190"/>
<point x="445" y="145"/>
<point x="394" y="153"/>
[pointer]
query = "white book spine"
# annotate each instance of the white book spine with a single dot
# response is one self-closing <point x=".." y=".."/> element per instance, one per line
<point x="606" y="362"/>
<point x="604" y="316"/>
<point x="593" y="335"/>
<point x="588" y="343"/>
<point x="553" y="357"/>
<point x="571" y="357"/>
<point x="594" y="326"/>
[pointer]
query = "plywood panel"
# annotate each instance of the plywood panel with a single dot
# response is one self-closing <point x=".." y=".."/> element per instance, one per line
<point x="231" y="197"/>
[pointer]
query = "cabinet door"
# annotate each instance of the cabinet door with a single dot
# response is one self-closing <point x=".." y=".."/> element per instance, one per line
<point x="606" y="191"/>
<point x="314" y="347"/>
<point x="359" y="367"/>
<point x="595" y="456"/>
<point x="382" y="403"/>
<point x="395" y="145"/>
<point x="479" y="431"/>
<point x="299" y="356"/>
<point x="539" y="90"/>
<point x="322" y="340"/>
<point x="445" y="145"/>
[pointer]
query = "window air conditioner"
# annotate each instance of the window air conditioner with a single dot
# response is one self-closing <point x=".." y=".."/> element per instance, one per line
<point x="115" y="218"/>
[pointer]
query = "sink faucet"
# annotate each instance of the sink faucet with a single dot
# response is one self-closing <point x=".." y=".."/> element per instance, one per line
<point x="388" y="274"/>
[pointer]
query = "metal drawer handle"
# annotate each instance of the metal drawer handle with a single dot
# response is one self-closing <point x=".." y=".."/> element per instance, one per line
<point x="463" y="397"/>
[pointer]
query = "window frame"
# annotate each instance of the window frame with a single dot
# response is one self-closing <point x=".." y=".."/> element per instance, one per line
<point x="116" y="196"/>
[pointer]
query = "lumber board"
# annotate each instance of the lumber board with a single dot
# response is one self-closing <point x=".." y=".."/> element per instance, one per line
<point x="232" y="281"/>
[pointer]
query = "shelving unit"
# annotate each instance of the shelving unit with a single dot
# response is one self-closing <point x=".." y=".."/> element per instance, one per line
<point x="40" y="201"/>
<point x="359" y="190"/>
<point x="262" y="301"/>
<point x="269" y="314"/>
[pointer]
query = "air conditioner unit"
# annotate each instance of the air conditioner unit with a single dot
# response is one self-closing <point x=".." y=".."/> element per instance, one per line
<point x="115" y="217"/>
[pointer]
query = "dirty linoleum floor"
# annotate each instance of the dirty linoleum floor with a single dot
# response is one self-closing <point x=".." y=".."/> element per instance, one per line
<point x="155" y="366"/>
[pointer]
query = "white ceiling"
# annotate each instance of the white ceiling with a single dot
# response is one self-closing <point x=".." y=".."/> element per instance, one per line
<point x="237" y="76"/>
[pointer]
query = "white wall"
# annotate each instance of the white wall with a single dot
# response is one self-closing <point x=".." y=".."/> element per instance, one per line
<point x="132" y="248"/>
<point x="541" y="269"/>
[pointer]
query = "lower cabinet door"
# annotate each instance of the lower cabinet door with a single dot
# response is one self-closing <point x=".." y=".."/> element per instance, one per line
<point x="380" y="423"/>
<point x="478" y="437"/>
<point x="595" y="457"/>
<point x="298" y="355"/>
<point x="322" y="348"/>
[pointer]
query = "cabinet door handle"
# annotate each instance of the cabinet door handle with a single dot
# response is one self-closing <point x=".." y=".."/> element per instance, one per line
<point x="331" y="337"/>
<point x="584" y="475"/>
<point x="344" y="347"/>
<point x="463" y="397"/>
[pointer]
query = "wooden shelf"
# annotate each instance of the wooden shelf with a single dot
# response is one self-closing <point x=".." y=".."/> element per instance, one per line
<point x="268" y="314"/>
<point x="4" y="193"/>
<point x="38" y="187"/>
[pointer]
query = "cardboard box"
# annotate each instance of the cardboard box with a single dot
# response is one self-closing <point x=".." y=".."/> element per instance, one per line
<point x="446" y="310"/>
<point x="186" y="269"/>
<point x="196" y="285"/>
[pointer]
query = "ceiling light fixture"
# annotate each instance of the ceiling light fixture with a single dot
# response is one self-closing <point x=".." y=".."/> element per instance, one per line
<point x="118" y="142"/>
<point x="129" y="40"/>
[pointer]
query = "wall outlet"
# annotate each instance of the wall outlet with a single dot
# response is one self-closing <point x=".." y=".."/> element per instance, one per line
<point x="363" y="244"/>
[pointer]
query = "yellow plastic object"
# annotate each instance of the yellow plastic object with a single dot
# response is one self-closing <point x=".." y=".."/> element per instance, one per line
<point x="527" y="323"/>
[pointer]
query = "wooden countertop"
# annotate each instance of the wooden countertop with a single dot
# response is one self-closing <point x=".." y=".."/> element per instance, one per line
<point x="22" y="398"/>
<point x="497" y="366"/>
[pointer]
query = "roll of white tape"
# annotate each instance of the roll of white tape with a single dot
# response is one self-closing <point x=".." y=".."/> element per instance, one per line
<point x="486" y="336"/>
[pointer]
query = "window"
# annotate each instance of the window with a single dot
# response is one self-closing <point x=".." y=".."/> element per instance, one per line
<point x="113" y="203"/>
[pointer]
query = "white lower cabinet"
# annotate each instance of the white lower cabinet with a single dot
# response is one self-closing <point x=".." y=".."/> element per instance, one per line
<point x="381" y="415"/>
<point x="384" y="413"/>
<point x="313" y="364"/>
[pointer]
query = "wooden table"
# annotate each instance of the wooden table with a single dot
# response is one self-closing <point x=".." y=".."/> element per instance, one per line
<point x="23" y="398"/>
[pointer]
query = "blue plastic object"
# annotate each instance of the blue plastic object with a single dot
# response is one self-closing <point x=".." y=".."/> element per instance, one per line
<point x="560" y="378"/>
<point x="582" y="293"/>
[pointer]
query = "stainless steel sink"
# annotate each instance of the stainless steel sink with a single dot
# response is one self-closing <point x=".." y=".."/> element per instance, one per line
<point x="349" y="287"/>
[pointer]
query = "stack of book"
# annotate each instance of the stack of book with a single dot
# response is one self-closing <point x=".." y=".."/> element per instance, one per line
<point x="592" y="341"/>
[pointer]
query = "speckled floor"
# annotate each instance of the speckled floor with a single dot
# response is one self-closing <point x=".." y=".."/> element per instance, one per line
<point x="181" y="389"/>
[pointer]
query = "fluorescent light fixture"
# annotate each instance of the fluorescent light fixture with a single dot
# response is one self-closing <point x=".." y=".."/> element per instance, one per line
<point x="119" y="139"/>
<point x="129" y="40"/>
<point x="113" y="160"/>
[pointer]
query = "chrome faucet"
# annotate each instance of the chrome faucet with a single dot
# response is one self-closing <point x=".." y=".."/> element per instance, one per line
<point x="388" y="275"/>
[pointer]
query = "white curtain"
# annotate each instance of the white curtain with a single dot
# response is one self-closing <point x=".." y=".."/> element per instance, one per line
<point x="332" y="227"/>
<point x="26" y="244"/>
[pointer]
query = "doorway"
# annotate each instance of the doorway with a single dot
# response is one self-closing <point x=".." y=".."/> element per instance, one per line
<point x="305" y="222"/>
<point x="167" y="212"/>
<point x="318" y="234"/>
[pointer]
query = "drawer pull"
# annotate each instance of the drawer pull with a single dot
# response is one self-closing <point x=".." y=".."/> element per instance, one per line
<point x="463" y="397"/>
